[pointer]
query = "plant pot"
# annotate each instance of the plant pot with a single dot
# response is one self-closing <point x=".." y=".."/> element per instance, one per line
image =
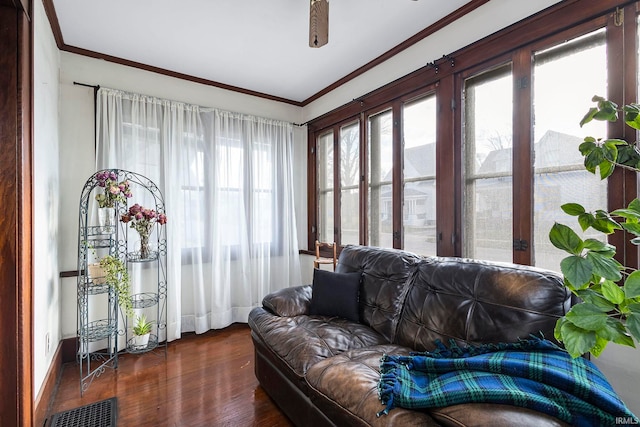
<point x="96" y="273"/>
<point x="107" y="217"/>
<point x="140" y="342"/>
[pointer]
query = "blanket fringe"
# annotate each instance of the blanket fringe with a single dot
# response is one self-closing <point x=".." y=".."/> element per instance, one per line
<point x="453" y="351"/>
<point x="387" y="384"/>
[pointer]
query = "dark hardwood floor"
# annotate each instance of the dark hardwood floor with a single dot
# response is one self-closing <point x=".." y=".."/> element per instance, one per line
<point x="206" y="380"/>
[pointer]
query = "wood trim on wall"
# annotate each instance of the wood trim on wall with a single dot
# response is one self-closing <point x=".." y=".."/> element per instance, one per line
<point x="452" y="17"/>
<point x="16" y="312"/>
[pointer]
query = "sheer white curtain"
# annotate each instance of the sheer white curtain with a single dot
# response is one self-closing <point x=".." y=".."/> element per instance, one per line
<point x="228" y="187"/>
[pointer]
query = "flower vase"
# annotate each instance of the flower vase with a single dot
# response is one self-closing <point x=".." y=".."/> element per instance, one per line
<point x="107" y="217"/>
<point x="145" y="251"/>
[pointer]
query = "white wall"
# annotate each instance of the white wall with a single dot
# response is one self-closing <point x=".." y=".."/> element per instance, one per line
<point x="620" y="365"/>
<point x="46" y="284"/>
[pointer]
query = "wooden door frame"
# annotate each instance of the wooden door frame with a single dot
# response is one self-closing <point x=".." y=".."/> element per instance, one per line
<point x="16" y="311"/>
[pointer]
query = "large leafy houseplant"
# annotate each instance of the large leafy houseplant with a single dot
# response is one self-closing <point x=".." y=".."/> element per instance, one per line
<point x="609" y="292"/>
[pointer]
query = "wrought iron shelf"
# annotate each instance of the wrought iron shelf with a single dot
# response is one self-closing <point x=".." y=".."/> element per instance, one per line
<point x="134" y="349"/>
<point x="104" y="330"/>
<point x="144" y="300"/>
<point x="137" y="256"/>
<point x="98" y="330"/>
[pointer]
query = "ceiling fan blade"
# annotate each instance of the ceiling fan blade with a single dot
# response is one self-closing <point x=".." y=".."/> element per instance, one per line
<point x="319" y="23"/>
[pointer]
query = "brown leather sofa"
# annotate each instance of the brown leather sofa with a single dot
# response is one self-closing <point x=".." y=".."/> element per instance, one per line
<point x="324" y="371"/>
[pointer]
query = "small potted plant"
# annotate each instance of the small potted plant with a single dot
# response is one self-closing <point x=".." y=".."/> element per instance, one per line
<point x="141" y="331"/>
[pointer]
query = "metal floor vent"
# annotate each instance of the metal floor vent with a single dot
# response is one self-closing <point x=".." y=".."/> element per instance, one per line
<point x="98" y="414"/>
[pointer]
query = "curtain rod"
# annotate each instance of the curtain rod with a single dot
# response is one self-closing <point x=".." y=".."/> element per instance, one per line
<point x="96" y="87"/>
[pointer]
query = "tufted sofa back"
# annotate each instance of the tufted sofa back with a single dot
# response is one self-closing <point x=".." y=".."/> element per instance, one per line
<point x="385" y="277"/>
<point x="412" y="300"/>
<point x="476" y="302"/>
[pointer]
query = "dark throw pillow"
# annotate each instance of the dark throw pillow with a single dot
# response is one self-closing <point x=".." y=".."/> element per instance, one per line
<point x="335" y="294"/>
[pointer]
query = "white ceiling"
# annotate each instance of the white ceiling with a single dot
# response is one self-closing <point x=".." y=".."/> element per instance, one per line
<point x="257" y="45"/>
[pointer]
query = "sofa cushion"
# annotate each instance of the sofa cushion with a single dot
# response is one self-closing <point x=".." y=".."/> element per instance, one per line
<point x="294" y="301"/>
<point x="494" y="415"/>
<point x="335" y="294"/>
<point x="345" y="387"/>
<point x="385" y="274"/>
<point x="476" y="302"/>
<point x="302" y="341"/>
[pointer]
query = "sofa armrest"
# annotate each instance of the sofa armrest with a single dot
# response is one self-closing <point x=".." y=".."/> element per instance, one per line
<point x="288" y="302"/>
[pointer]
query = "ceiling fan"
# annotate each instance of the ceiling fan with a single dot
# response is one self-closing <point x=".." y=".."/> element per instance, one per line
<point x="319" y="23"/>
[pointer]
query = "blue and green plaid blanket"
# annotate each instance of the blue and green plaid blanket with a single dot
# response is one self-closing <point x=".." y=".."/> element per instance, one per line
<point x="534" y="374"/>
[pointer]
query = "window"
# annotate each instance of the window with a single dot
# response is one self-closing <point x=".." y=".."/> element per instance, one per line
<point x="473" y="155"/>
<point x="488" y="150"/>
<point x="419" y="175"/>
<point x="349" y="184"/>
<point x="325" y="188"/>
<point x="560" y="176"/>
<point x="380" y="193"/>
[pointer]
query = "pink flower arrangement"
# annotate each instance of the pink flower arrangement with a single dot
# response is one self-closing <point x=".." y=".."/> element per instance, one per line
<point x="114" y="191"/>
<point x="142" y="219"/>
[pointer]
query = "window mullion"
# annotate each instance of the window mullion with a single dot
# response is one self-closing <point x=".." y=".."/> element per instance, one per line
<point x="522" y="157"/>
<point x="364" y="170"/>
<point x="397" y="184"/>
<point x="336" y="184"/>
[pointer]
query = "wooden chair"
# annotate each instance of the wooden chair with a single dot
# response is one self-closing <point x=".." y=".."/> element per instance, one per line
<point x="324" y="260"/>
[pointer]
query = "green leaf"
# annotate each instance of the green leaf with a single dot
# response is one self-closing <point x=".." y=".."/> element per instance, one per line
<point x="573" y="209"/>
<point x="633" y="325"/>
<point x="599" y="246"/>
<point x="558" y="328"/>
<point x="563" y="237"/>
<point x="576" y="270"/>
<point x="595" y="298"/>
<point x="593" y="159"/>
<point x="585" y="220"/>
<point x="605" y="224"/>
<point x="628" y="214"/>
<point x="632" y="115"/>
<point x="632" y="285"/>
<point x="610" y="149"/>
<point x="616" y="332"/>
<point x="606" y="168"/>
<point x="605" y="266"/>
<point x="589" y="116"/>
<point x="599" y="346"/>
<point x="629" y="155"/>
<point x="633" y="228"/>
<point x="577" y="341"/>
<point x="634" y="205"/>
<point x="612" y="292"/>
<point x="587" y="316"/>
<point x="607" y="110"/>
<point x="587" y="146"/>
